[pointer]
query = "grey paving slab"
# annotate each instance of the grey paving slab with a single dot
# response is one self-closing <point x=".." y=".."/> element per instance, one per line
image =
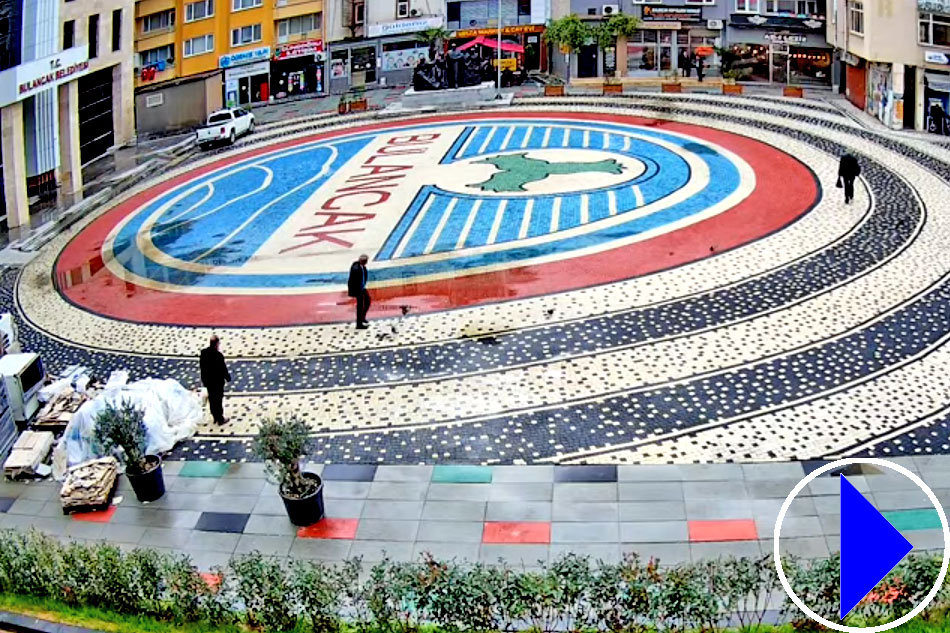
<point x="374" y="551"/>
<point x="212" y="541"/>
<point x="176" y="501"/>
<point x="705" y="510"/>
<point x="827" y="505"/>
<point x="519" y="511"/>
<point x="148" y="517"/>
<point x="792" y="527"/>
<point x="667" y="554"/>
<point x="521" y="492"/>
<point x="206" y="560"/>
<point x="454" y="511"/>
<point x="172" y="467"/>
<point x="321" y="549"/>
<point x="12" y="489"/>
<point x="51" y="509"/>
<point x="269" y="525"/>
<point x="903" y="500"/>
<point x="935" y="479"/>
<point x="523" y="474"/>
<point x="650" y="491"/>
<point x="654" y="532"/>
<point x="891" y="482"/>
<point x="446" y="550"/>
<point x="771" y="488"/>
<point x="515" y="555"/>
<point x="30" y="507"/>
<point x="203" y="485"/>
<point x="932" y="463"/>
<point x="737" y="549"/>
<point x="386" y="530"/>
<point x="830" y="523"/>
<point x="247" y="470"/>
<point x="166" y="537"/>
<point x="84" y="530"/>
<point x="333" y="489"/>
<point x="343" y="508"/>
<point x="119" y="533"/>
<point x="649" y="472"/>
<point x="458" y="492"/>
<point x="451" y="531"/>
<point x="397" y="490"/>
<point x="925" y="539"/>
<point x="404" y="473"/>
<point x="584" y="492"/>
<point x="834" y="542"/>
<point x="39" y="492"/>
<point x="825" y="485"/>
<point x="606" y="552"/>
<point x="598" y="511"/>
<point x="273" y="505"/>
<point x="268" y="545"/>
<point x="807" y="547"/>
<point x="715" y="490"/>
<point x="773" y="470"/>
<point x="652" y="510"/>
<point x="392" y="510"/>
<point x="239" y="486"/>
<point x="711" y="472"/>
<point x="243" y="504"/>
<point x="590" y="532"/>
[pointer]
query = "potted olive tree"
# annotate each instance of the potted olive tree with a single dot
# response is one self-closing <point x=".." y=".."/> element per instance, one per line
<point x="120" y="430"/>
<point x="281" y="444"/>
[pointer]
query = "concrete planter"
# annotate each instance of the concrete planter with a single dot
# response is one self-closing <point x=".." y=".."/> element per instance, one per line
<point x="672" y="87"/>
<point x="358" y="105"/>
<point x="613" y="89"/>
<point x="731" y="89"/>
<point x="554" y="90"/>
<point x="793" y="91"/>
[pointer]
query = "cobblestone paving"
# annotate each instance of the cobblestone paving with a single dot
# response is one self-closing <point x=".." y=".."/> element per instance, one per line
<point x="824" y="337"/>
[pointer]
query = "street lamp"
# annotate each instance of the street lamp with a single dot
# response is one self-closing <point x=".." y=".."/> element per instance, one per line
<point x="498" y="88"/>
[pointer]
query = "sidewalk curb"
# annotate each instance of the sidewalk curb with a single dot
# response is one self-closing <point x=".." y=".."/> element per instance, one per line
<point x="30" y="624"/>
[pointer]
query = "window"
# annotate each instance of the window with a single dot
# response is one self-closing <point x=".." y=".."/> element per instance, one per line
<point x="154" y="55"/>
<point x="246" y="35"/>
<point x="808" y="7"/>
<point x="359" y="13"/>
<point x="700" y="1"/>
<point x="781" y="6"/>
<point x="158" y="21"/>
<point x="199" y="45"/>
<point x="454" y="11"/>
<point x="93" y="36"/>
<point x="402" y="8"/>
<point x="934" y="29"/>
<point x="747" y="6"/>
<point x="644" y="2"/>
<point x="199" y="10"/>
<point x="116" y="30"/>
<point x="299" y="25"/>
<point x="240" y="5"/>
<point x="69" y="34"/>
<point x="221" y="117"/>
<point x="524" y="7"/>
<point x="856" y="17"/>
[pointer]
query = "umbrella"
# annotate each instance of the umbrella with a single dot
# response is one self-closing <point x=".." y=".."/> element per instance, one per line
<point x="508" y="47"/>
<point x="478" y="40"/>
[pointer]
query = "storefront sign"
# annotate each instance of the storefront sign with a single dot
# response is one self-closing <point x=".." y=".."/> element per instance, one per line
<point x="934" y="6"/>
<point x="677" y="14"/>
<point x="247" y="70"/>
<point x="509" y="63"/>
<point x="665" y="26"/>
<point x="785" y="38"/>
<point x="936" y="57"/>
<point x="34" y="77"/>
<point x="850" y="59"/>
<point x="782" y="22"/>
<point x="506" y="30"/>
<point x="244" y="57"/>
<point x="405" y="26"/>
<point x="300" y="49"/>
<point x="404" y="59"/>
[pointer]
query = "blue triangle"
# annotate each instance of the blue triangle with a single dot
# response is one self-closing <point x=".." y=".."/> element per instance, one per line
<point x="870" y="547"/>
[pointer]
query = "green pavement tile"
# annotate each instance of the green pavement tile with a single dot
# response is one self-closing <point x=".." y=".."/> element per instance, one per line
<point x="204" y="469"/>
<point x="926" y="519"/>
<point x="461" y="474"/>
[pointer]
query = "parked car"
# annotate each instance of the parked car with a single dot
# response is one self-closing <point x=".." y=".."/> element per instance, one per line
<point x="225" y="126"/>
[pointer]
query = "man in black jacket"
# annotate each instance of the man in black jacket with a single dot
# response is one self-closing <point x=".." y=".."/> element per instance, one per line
<point x="356" y="286"/>
<point x="214" y="373"/>
<point x="848" y="170"/>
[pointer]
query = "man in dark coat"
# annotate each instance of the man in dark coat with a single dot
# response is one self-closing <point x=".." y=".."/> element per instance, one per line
<point x="848" y="170"/>
<point x="214" y="373"/>
<point x="357" y="288"/>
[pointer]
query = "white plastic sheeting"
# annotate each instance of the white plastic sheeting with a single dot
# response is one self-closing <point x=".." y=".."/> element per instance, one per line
<point x="172" y="413"/>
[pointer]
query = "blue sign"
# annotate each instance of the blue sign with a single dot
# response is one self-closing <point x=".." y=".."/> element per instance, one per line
<point x="244" y="57"/>
<point x="870" y="547"/>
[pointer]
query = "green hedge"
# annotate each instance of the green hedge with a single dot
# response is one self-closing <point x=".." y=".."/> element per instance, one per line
<point x="571" y="593"/>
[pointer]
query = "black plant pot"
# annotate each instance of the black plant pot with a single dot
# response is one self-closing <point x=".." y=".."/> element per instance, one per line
<point x="306" y="510"/>
<point x="150" y="485"/>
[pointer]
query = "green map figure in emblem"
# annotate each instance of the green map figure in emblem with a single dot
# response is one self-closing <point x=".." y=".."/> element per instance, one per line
<point x="517" y="170"/>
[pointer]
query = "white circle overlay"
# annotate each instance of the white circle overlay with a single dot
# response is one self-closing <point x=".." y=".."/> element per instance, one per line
<point x="776" y="533"/>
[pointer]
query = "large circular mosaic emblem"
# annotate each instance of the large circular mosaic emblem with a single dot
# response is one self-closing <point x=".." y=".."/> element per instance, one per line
<point x="452" y="211"/>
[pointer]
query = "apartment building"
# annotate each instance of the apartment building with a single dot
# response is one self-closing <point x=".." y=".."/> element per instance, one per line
<point x="194" y="57"/>
<point x="65" y="93"/>
<point x="894" y="59"/>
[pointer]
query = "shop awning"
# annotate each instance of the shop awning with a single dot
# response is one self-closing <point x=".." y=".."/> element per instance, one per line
<point x="508" y="47"/>
<point x="938" y="82"/>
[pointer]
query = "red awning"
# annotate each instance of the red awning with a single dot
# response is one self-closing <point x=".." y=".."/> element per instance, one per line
<point x="508" y="47"/>
<point x="478" y="40"/>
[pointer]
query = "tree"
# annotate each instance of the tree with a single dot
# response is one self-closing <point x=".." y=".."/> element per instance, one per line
<point x="434" y="38"/>
<point x="607" y="32"/>
<point x="568" y="33"/>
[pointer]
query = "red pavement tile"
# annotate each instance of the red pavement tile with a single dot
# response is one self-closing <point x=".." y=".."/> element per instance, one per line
<point x="95" y="517"/>
<point x="735" y="530"/>
<point x="331" y="528"/>
<point x="516" y="532"/>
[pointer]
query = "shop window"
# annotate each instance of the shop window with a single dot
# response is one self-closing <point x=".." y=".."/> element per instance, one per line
<point x="199" y="45"/>
<point x="158" y="21"/>
<point x="69" y="34"/>
<point x="116" y="30"/>
<point x="524" y="7"/>
<point x="155" y="55"/>
<point x="241" y="5"/>
<point x="781" y="6"/>
<point x="747" y="6"/>
<point x="359" y="13"/>
<point x="453" y="12"/>
<point x="246" y="35"/>
<point x="93" y="36"/>
<point x="199" y="10"/>
<point x="934" y="29"/>
<point x="856" y="17"/>
<point x="298" y="25"/>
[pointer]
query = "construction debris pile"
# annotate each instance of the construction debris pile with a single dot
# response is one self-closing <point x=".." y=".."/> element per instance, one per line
<point x="28" y="455"/>
<point x="89" y="486"/>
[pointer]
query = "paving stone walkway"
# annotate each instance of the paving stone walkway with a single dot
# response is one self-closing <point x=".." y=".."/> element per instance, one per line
<point x="521" y="514"/>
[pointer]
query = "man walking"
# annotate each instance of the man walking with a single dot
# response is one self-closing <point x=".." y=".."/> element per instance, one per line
<point x="357" y="288"/>
<point x="214" y="373"/>
<point x="848" y="170"/>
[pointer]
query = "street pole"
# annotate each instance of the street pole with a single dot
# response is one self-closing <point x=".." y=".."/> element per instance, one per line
<point x="498" y="89"/>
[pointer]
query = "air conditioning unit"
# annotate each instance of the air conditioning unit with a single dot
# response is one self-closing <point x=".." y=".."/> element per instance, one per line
<point x="402" y="9"/>
<point x="714" y="25"/>
<point x="610" y="9"/>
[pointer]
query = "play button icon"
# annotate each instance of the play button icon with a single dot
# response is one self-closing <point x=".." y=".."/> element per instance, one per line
<point x="870" y="547"/>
